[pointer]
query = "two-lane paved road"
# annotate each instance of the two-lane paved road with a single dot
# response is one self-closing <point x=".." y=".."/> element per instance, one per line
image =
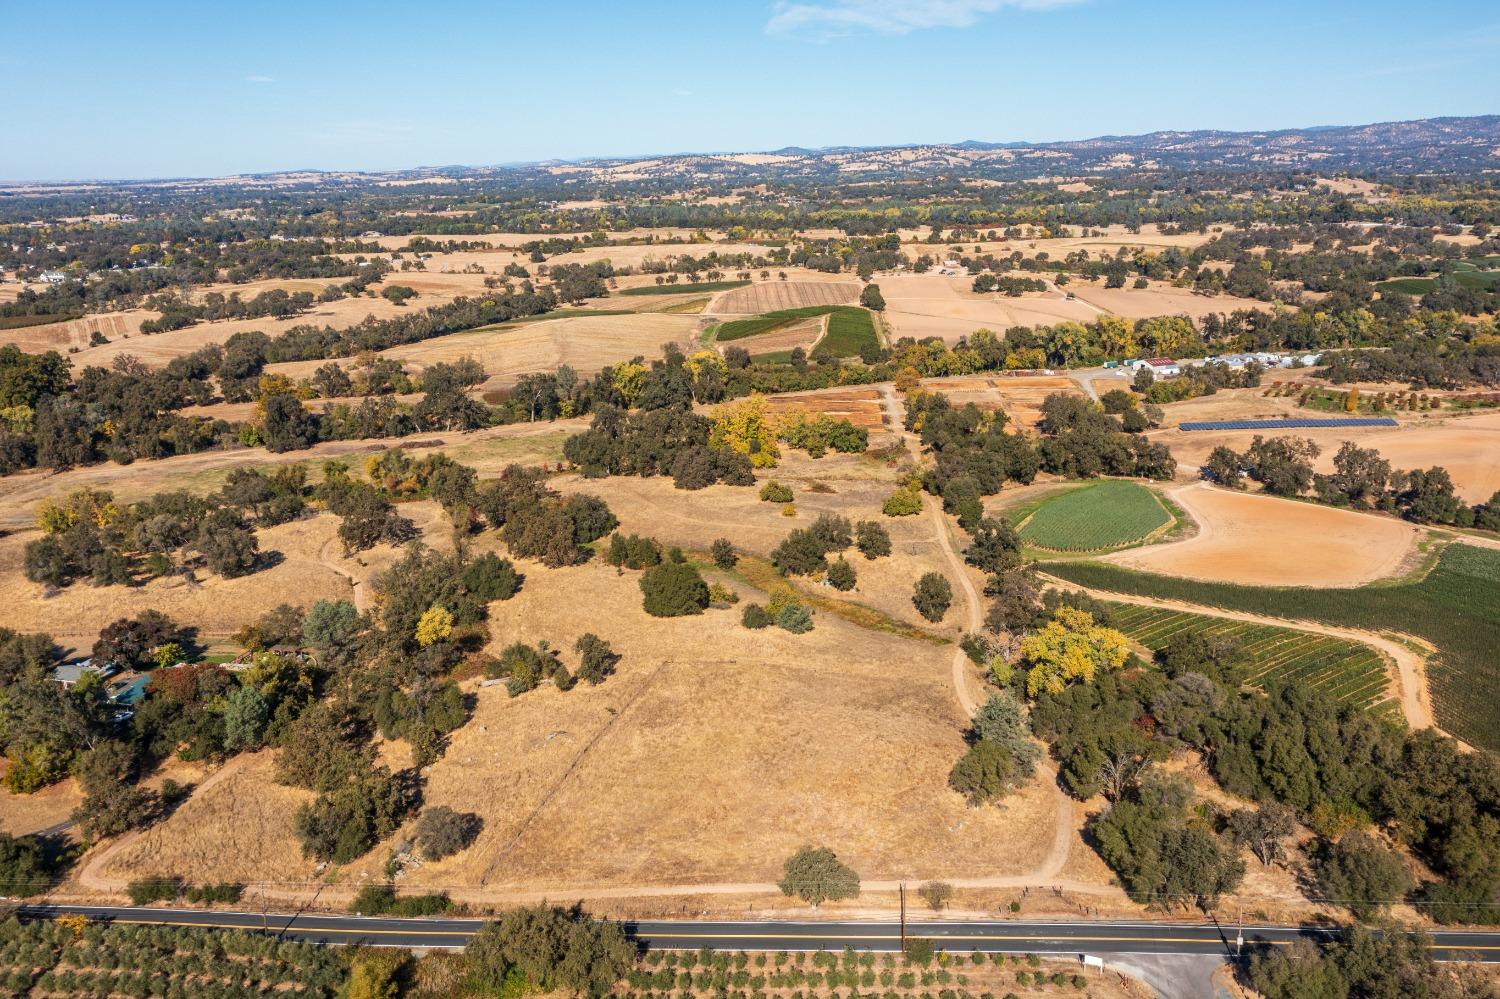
<point x="1102" y="937"/>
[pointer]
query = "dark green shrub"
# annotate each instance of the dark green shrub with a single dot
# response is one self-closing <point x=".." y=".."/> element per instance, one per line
<point x="755" y="616"/>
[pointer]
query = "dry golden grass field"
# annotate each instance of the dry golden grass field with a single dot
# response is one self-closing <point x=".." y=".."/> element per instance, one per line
<point x="1112" y="238"/>
<point x="928" y="305"/>
<point x="587" y="343"/>
<point x="23" y="814"/>
<point x="1157" y="300"/>
<point x="308" y="565"/>
<point x="1264" y="540"/>
<point x="238" y="828"/>
<point x="773" y="296"/>
<point x="487" y="450"/>
<point x="711" y="755"/>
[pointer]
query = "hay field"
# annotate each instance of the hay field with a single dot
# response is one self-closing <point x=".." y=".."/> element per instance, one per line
<point x="587" y="343"/>
<point x="926" y="305"/>
<point x="774" y="296"/>
<point x="1261" y="540"/>
<point x="804" y="334"/>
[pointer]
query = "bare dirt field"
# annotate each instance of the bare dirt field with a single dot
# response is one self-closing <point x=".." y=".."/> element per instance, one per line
<point x="1020" y="397"/>
<point x="587" y="343"/>
<point x="1267" y="541"/>
<point x="861" y="406"/>
<point x="772" y="296"/>
<point x="1467" y="445"/>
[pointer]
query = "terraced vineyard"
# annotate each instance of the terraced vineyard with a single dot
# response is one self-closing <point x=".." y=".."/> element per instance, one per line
<point x="1353" y="673"/>
<point x="1104" y="515"/>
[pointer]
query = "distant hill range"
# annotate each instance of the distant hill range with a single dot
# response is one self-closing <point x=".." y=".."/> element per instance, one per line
<point x="1431" y="145"/>
<point x="1447" y="145"/>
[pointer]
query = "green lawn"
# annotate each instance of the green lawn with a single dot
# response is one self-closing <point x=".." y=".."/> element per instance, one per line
<point x="1351" y="672"/>
<point x="1106" y="514"/>
<point x="1456" y="607"/>
<point x="682" y="289"/>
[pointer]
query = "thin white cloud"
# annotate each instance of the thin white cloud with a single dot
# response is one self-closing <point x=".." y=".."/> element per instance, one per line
<point x="679" y="92"/>
<point x="258" y="78"/>
<point x="890" y="17"/>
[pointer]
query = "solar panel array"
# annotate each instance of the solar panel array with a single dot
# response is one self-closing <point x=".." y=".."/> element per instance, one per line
<point x="1294" y="424"/>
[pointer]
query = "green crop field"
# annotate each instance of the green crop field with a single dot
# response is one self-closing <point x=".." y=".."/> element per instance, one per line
<point x="850" y="328"/>
<point x="1465" y="273"/>
<point x="1107" y="514"/>
<point x="1456" y="607"/>
<point x="683" y="289"/>
<point x="850" y="331"/>
<point x="1408" y="286"/>
<point x="1348" y="671"/>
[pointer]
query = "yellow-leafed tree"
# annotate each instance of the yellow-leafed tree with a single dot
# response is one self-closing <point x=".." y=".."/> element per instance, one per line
<point x="746" y="427"/>
<point x="435" y="625"/>
<point x="1070" y="649"/>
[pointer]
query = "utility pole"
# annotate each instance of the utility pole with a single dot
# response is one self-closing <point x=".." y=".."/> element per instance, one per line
<point x="1239" y="933"/>
<point x="903" y="917"/>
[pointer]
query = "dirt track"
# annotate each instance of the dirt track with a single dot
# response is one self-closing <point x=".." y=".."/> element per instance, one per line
<point x="963" y="681"/>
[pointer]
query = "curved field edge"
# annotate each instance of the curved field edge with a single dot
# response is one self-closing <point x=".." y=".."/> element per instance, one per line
<point x="1346" y="670"/>
<point x="1456" y="607"/>
<point x="850" y="328"/>
<point x="1099" y="517"/>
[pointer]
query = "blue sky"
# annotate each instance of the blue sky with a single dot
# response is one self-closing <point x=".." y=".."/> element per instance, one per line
<point x="159" y="89"/>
